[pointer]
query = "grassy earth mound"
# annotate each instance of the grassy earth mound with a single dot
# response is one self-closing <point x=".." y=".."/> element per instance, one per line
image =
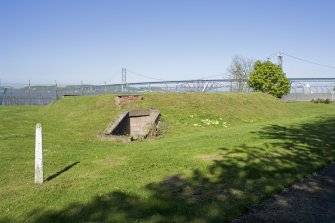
<point x="199" y="171"/>
<point x="178" y="110"/>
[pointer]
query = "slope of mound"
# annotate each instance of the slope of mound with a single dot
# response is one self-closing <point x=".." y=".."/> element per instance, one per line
<point x="232" y="107"/>
<point x="92" y="113"/>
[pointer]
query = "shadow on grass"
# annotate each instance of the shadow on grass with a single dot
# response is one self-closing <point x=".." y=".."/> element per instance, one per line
<point x="310" y="200"/>
<point x="242" y="178"/>
<point x="61" y="171"/>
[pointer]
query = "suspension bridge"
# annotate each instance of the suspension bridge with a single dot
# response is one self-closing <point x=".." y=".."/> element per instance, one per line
<point x="301" y="88"/>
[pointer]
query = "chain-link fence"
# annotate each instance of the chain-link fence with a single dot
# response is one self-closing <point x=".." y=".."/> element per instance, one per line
<point x="308" y="97"/>
<point x="308" y="92"/>
<point x="43" y="95"/>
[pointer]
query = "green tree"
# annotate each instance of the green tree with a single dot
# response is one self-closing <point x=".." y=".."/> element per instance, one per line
<point x="269" y="78"/>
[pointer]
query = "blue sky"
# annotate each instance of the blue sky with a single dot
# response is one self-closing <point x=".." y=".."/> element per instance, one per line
<point x="91" y="40"/>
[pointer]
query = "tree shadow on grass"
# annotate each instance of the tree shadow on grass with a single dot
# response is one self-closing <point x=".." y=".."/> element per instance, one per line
<point x="242" y="178"/>
<point x="309" y="200"/>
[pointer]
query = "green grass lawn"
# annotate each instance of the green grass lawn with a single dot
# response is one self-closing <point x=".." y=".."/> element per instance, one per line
<point x="193" y="173"/>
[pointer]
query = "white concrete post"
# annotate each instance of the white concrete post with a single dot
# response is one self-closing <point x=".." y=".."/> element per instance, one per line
<point x="38" y="155"/>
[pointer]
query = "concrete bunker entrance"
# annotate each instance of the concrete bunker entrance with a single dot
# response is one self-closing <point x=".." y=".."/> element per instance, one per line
<point x="132" y="125"/>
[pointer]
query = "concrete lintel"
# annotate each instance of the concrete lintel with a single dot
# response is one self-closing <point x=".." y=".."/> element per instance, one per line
<point x="136" y="113"/>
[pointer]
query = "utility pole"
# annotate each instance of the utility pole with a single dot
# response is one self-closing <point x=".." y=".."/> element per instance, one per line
<point x="280" y="60"/>
<point x="124" y="80"/>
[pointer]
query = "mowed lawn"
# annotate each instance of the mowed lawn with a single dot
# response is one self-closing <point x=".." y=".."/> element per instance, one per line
<point x="252" y="147"/>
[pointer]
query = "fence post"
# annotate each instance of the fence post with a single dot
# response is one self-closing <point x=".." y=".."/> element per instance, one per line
<point x="56" y="90"/>
<point x="29" y="94"/>
<point x="105" y="90"/>
<point x="38" y="155"/>
<point x="81" y="87"/>
<point x="11" y="97"/>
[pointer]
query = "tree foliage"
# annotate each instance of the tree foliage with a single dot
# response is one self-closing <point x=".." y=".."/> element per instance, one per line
<point x="240" y="69"/>
<point x="269" y="78"/>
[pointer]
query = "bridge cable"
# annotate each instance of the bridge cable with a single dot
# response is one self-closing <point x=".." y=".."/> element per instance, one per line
<point x="308" y="61"/>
